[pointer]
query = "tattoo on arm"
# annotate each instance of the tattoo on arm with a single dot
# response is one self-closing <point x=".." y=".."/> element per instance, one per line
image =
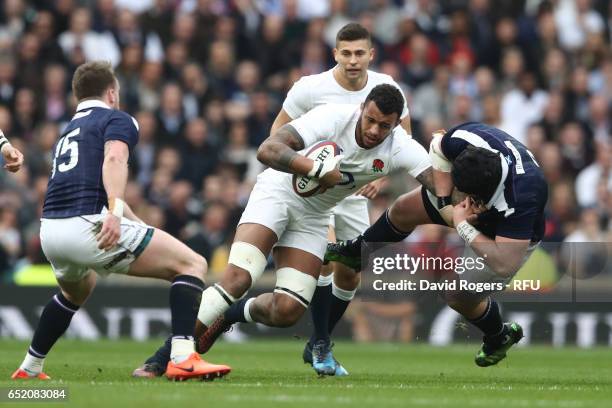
<point x="280" y="150"/>
<point x="426" y="179"/>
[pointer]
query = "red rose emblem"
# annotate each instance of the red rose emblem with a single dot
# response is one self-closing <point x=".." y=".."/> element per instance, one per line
<point x="377" y="166"/>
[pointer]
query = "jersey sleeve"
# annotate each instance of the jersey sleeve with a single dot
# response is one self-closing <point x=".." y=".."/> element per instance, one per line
<point x="452" y="146"/>
<point x="298" y="100"/>
<point x="315" y="125"/>
<point x="409" y="155"/>
<point x="122" y="126"/>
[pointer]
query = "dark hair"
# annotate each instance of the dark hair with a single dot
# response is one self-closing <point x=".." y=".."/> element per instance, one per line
<point x="387" y="98"/>
<point x="477" y="172"/>
<point x="353" y="32"/>
<point x="92" y="78"/>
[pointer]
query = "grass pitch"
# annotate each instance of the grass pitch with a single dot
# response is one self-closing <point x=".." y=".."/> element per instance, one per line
<point x="271" y="373"/>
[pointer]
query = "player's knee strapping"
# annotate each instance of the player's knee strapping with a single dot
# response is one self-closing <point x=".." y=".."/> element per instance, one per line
<point x="216" y="300"/>
<point x="298" y="285"/>
<point x="248" y="257"/>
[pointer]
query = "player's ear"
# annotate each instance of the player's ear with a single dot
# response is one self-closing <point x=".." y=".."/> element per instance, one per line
<point x="335" y="51"/>
<point x="372" y="53"/>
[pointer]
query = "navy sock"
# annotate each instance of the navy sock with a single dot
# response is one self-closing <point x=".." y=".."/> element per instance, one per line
<point x="319" y="311"/>
<point x="162" y="355"/>
<point x="185" y="296"/>
<point x="337" y="308"/>
<point x="54" y="321"/>
<point x="383" y="231"/>
<point x="490" y="323"/>
<point x="235" y="313"/>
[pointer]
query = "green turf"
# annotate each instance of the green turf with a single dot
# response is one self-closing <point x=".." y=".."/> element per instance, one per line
<point x="266" y="374"/>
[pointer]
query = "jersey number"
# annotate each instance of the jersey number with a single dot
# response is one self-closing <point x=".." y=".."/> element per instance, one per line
<point x="67" y="146"/>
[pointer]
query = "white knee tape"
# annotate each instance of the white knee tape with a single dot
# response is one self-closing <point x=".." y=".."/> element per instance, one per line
<point x="214" y="303"/>
<point x="343" y="294"/>
<point x="298" y="285"/>
<point x="248" y="257"/>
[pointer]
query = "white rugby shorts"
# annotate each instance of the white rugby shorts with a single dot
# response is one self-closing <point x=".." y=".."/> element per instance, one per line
<point x="296" y="223"/>
<point x="350" y="217"/>
<point x="71" y="247"/>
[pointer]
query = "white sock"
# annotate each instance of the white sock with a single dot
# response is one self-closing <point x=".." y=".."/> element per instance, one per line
<point x="247" y="312"/>
<point x="325" y="280"/>
<point x="32" y="365"/>
<point x="182" y="348"/>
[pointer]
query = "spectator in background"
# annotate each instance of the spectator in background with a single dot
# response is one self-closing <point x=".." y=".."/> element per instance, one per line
<point x="7" y="81"/>
<point x="44" y="29"/>
<point x="29" y="64"/>
<point x="589" y="179"/>
<point x="198" y="157"/>
<point x="170" y="117"/>
<point x="145" y="150"/>
<point x="150" y="85"/>
<point x="210" y="232"/>
<point x="433" y="99"/>
<point x="197" y="90"/>
<point x="56" y="94"/>
<point x="522" y="106"/>
<point x="575" y="148"/>
<point x="26" y="114"/>
<point x="553" y="116"/>
<point x="81" y="43"/>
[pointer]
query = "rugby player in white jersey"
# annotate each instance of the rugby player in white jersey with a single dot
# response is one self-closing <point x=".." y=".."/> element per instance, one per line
<point x="296" y="227"/>
<point x="349" y="81"/>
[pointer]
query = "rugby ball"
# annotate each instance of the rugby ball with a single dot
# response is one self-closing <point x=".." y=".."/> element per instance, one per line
<point x="305" y="186"/>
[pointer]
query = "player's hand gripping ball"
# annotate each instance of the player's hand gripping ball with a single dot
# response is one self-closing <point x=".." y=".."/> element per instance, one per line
<point x="306" y="186"/>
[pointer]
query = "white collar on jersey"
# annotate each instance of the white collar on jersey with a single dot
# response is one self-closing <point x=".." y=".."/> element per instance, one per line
<point x="91" y="103"/>
<point x="498" y="200"/>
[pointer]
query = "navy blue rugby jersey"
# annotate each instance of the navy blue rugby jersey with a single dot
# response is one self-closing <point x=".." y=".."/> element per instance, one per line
<point x="516" y="210"/>
<point x="75" y="185"/>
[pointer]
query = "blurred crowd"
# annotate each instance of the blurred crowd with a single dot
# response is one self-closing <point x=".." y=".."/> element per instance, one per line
<point x="206" y="78"/>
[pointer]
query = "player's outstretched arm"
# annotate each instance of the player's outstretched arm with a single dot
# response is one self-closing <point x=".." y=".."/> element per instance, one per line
<point x="114" y="177"/>
<point x="13" y="158"/>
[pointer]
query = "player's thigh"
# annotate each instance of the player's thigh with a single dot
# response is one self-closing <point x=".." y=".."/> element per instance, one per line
<point x="165" y="257"/>
<point x="78" y="291"/>
<point x="409" y="211"/>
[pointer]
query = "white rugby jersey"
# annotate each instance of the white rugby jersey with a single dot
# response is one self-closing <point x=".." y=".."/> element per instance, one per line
<point x="336" y="123"/>
<point x="314" y="90"/>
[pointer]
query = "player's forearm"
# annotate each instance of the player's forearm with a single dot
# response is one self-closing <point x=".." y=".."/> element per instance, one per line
<point x="279" y="151"/>
<point x="114" y="176"/>
<point x="281" y="157"/>
<point x="443" y="183"/>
